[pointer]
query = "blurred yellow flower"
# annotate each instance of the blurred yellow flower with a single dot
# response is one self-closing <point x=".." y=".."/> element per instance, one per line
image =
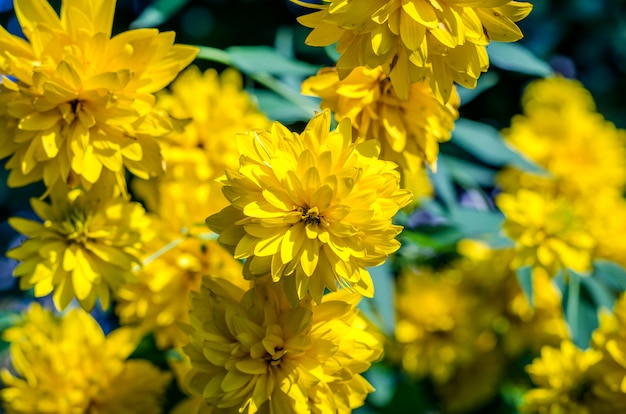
<point x="253" y="352"/>
<point x="66" y="365"/>
<point x="563" y="381"/>
<point x="87" y="245"/>
<point x="78" y="101"/>
<point x="312" y="210"/>
<point x="610" y="372"/>
<point x="547" y="230"/>
<point x="409" y="130"/>
<point x="218" y="109"/>
<point x="159" y="301"/>
<point x="413" y="40"/>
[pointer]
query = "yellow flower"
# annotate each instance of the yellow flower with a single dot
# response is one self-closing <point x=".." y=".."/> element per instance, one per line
<point x="547" y="230"/>
<point x="87" y="244"/>
<point x="253" y="352"/>
<point x="610" y="372"/>
<point x="447" y="331"/>
<point x="82" y="102"/>
<point x="160" y="300"/>
<point x="416" y="40"/>
<point x="66" y="365"/>
<point x="563" y="381"/>
<point x="409" y="130"/>
<point x="561" y="132"/>
<point x="218" y="109"/>
<point x="311" y="209"/>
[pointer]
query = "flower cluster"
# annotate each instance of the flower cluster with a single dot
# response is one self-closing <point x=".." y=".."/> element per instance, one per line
<point x="438" y="42"/>
<point x="67" y="365"/>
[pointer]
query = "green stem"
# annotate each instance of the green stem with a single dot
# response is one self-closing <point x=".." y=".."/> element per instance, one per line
<point x="214" y="55"/>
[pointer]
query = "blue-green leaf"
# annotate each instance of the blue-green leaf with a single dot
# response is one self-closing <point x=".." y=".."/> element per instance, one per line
<point x="525" y="279"/>
<point x="600" y="294"/>
<point x="265" y="59"/>
<point x="611" y="273"/>
<point x="517" y="58"/>
<point x="381" y="308"/>
<point x="485" y="82"/>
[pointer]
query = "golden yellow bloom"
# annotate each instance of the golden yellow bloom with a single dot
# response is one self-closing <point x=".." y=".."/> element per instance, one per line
<point x="160" y="300"/>
<point x="447" y="331"/>
<point x="610" y="372"/>
<point x="561" y="132"/>
<point x="416" y="40"/>
<point x="253" y="352"/>
<point x="563" y="381"/>
<point x="409" y="130"/>
<point x="87" y="245"/>
<point x="218" y="109"/>
<point x="66" y="365"/>
<point x="82" y="102"/>
<point x="547" y="230"/>
<point x="312" y="209"/>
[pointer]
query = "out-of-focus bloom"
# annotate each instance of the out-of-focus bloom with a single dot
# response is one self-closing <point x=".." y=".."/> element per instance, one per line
<point x="159" y="301"/>
<point x="563" y="381"/>
<point x="443" y="333"/>
<point x="218" y="109"/>
<point x="67" y="365"/>
<point x="253" y="352"/>
<point x="78" y="101"/>
<point x="415" y="40"/>
<point x="548" y="231"/>
<point x="87" y="245"/>
<point x="561" y="132"/>
<point x="409" y="130"/>
<point x="610" y="373"/>
<point x="312" y="210"/>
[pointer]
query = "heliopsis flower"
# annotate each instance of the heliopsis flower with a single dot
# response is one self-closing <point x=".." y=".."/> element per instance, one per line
<point x="409" y="130"/>
<point x="561" y="132"/>
<point x="547" y="230"/>
<point x="312" y="209"/>
<point x="563" y="381"/>
<point x="413" y="40"/>
<point x="88" y="244"/>
<point x="446" y="332"/>
<point x="610" y="372"/>
<point x="78" y="101"/>
<point x="67" y="365"/>
<point x="159" y="300"/>
<point x="253" y="352"/>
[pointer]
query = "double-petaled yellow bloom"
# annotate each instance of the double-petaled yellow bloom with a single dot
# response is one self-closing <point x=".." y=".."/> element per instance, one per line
<point x="75" y="101"/>
<point x="312" y="209"/>
<point x="88" y="244"/>
<point x="409" y="130"/>
<point x="67" y="365"/>
<point x="440" y="42"/>
<point x="253" y="352"/>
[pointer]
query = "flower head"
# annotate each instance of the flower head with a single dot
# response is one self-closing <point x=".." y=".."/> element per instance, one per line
<point x="88" y="244"/>
<point x="67" y="365"/>
<point x="409" y="130"/>
<point x="78" y="101"/>
<point x="253" y="352"/>
<point x="547" y="230"/>
<point x="562" y="377"/>
<point x="416" y="40"/>
<point x="310" y="209"/>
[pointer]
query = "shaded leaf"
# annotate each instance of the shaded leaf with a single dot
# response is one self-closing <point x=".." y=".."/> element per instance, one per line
<point x="158" y="13"/>
<point x="265" y="59"/>
<point x="517" y="58"/>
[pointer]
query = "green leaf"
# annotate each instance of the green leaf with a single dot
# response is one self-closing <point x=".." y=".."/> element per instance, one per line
<point x="265" y="59"/>
<point x="443" y="184"/>
<point x="525" y="279"/>
<point x="485" y="143"/>
<point x="517" y="58"/>
<point x="469" y="174"/>
<point x="158" y="13"/>
<point x="477" y="223"/>
<point x="381" y="308"/>
<point x="600" y="294"/>
<point x="280" y="109"/>
<point x="611" y="273"/>
<point x="9" y="319"/>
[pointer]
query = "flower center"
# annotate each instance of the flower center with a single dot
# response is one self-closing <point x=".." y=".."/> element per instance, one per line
<point x="273" y="359"/>
<point x="310" y="215"/>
